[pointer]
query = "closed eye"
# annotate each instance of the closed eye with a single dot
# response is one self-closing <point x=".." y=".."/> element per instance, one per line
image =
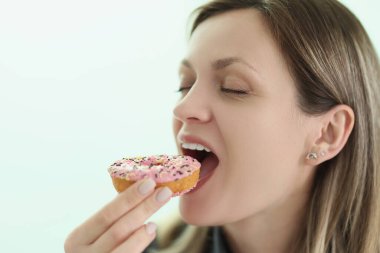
<point x="225" y="90"/>
<point x="233" y="91"/>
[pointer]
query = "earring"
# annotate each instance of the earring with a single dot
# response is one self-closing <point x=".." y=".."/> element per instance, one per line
<point x="312" y="156"/>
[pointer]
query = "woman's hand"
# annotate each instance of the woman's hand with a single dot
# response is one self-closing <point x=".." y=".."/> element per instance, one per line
<point x="119" y="226"/>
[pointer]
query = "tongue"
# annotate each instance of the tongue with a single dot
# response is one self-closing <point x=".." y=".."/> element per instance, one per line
<point x="208" y="165"/>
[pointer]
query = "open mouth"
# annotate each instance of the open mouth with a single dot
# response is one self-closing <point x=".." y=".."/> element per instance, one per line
<point x="209" y="161"/>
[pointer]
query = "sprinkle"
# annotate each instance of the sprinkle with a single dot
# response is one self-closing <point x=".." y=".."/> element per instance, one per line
<point x="162" y="166"/>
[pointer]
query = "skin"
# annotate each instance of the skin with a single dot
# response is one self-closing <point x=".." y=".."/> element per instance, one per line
<point x="261" y="186"/>
<point x="119" y="226"/>
<point x="260" y="137"/>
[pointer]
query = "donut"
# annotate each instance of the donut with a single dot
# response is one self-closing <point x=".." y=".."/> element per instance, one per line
<point x="179" y="173"/>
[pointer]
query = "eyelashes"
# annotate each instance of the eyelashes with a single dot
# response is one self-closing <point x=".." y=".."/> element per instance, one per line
<point x="234" y="91"/>
<point x="238" y="92"/>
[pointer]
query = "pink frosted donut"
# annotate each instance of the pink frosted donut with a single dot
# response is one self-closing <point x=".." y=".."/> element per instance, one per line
<point x="179" y="173"/>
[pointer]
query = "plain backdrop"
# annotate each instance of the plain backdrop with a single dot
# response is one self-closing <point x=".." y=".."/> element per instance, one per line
<point x="83" y="83"/>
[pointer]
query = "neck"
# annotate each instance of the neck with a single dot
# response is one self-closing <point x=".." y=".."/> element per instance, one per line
<point x="272" y="231"/>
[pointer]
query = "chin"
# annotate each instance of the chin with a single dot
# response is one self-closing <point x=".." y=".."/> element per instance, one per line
<point x="189" y="213"/>
<point x="193" y="215"/>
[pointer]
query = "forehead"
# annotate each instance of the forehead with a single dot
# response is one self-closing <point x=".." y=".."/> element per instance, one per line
<point x="238" y="33"/>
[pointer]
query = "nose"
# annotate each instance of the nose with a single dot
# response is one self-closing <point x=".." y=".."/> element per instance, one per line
<point x="194" y="107"/>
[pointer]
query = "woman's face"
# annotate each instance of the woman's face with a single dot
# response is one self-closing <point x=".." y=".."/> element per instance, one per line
<point x="239" y="100"/>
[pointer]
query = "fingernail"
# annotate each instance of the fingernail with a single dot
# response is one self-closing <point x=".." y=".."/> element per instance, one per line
<point x="164" y="194"/>
<point x="147" y="186"/>
<point x="150" y="228"/>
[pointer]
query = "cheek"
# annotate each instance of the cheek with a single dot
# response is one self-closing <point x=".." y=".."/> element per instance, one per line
<point x="263" y="157"/>
<point x="269" y="136"/>
<point x="271" y="144"/>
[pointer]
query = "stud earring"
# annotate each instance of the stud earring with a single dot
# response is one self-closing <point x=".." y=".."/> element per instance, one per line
<point x="312" y="156"/>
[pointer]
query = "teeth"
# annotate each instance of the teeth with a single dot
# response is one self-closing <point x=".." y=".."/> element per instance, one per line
<point x="195" y="146"/>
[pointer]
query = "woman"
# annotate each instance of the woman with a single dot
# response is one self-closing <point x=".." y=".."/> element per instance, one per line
<point x="285" y="94"/>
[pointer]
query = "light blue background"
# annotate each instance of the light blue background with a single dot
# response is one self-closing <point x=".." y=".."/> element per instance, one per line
<point x="84" y="83"/>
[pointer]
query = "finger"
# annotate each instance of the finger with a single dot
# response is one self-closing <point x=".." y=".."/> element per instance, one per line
<point x="125" y="226"/>
<point x="139" y="240"/>
<point x="94" y="227"/>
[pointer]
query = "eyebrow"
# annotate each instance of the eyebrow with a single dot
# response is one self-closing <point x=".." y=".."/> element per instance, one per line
<point x="222" y="63"/>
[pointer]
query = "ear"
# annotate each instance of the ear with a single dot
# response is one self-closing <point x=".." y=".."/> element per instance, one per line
<point x="335" y="128"/>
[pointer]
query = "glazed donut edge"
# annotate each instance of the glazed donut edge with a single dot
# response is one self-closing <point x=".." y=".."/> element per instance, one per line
<point x="178" y="187"/>
<point x="179" y="173"/>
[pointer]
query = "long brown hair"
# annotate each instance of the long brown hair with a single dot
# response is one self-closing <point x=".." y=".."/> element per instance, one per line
<point x="332" y="62"/>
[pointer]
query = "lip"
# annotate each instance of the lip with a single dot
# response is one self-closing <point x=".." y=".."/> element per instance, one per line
<point x="187" y="138"/>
